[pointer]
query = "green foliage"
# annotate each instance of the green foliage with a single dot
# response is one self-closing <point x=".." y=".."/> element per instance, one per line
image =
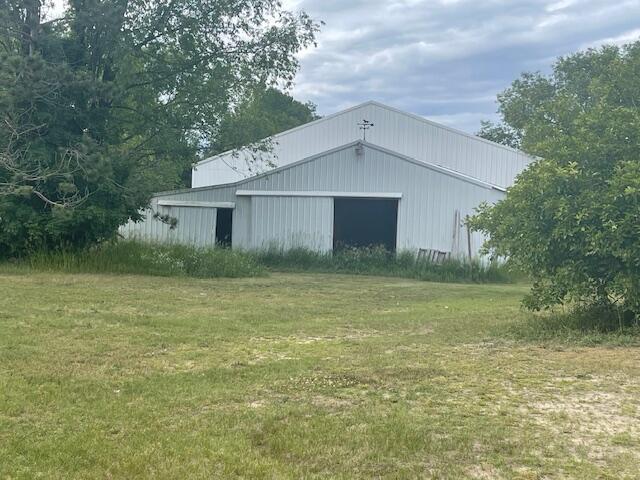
<point x="134" y="257"/>
<point x="572" y="220"/>
<point x="378" y="261"/>
<point x="113" y="101"/>
<point x="583" y="327"/>
<point x="499" y="133"/>
<point x="261" y="115"/>
<point x="148" y="259"/>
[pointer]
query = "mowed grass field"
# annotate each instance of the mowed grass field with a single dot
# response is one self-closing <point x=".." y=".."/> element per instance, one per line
<point x="304" y="376"/>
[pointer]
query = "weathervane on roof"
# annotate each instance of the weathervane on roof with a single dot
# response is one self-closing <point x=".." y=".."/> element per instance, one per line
<point x="364" y="126"/>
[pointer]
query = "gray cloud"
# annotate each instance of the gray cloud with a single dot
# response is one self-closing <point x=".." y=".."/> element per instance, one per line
<point x="446" y="59"/>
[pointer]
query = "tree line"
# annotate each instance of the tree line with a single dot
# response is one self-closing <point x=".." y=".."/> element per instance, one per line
<point x="116" y="99"/>
<point x="572" y="219"/>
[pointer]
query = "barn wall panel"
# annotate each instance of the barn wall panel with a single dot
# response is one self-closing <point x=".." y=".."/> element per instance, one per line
<point x="196" y="226"/>
<point x="292" y="222"/>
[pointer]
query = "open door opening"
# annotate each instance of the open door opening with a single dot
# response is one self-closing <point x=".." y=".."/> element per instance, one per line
<point x="365" y="222"/>
<point x="224" y="227"/>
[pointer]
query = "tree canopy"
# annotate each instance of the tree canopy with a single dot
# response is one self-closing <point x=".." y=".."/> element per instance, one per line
<point x="261" y="115"/>
<point x="113" y="100"/>
<point x="572" y="219"/>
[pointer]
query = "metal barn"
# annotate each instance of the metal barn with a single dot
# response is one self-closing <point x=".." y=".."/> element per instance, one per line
<point x="401" y="132"/>
<point x="359" y="193"/>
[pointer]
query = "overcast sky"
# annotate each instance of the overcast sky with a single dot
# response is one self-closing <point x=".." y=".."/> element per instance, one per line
<point x="445" y="59"/>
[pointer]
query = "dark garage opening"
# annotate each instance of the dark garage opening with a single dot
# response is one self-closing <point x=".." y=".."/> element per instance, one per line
<point x="224" y="224"/>
<point x="365" y="222"/>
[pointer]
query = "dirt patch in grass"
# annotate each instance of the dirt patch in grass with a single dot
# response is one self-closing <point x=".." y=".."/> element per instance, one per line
<point x="338" y="336"/>
<point x="591" y="421"/>
<point x="331" y="403"/>
<point x="484" y="472"/>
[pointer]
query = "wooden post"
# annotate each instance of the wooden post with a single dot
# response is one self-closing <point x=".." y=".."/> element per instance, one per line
<point x="469" y="246"/>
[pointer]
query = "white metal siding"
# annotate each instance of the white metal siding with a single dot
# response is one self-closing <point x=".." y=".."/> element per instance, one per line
<point x="397" y="131"/>
<point x="431" y="201"/>
<point x="196" y="226"/>
<point x="290" y="222"/>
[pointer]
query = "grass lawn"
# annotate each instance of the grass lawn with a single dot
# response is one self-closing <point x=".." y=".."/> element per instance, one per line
<point x="305" y="376"/>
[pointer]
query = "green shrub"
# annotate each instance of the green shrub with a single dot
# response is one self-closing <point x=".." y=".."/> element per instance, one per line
<point x="571" y="220"/>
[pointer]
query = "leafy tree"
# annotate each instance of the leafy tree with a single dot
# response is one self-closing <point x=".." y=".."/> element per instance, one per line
<point x="262" y="114"/>
<point x="500" y="134"/>
<point x="113" y="101"/>
<point x="572" y="219"/>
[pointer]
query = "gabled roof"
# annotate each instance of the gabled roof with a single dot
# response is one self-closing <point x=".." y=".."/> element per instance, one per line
<point x="397" y="111"/>
<point x="429" y="166"/>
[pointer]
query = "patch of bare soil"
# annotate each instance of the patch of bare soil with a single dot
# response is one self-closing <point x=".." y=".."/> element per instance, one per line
<point x="483" y="472"/>
<point x="331" y="403"/>
<point x="342" y="335"/>
<point x="591" y="422"/>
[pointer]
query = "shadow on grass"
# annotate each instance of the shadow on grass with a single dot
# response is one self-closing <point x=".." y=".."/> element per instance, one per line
<point x="580" y="328"/>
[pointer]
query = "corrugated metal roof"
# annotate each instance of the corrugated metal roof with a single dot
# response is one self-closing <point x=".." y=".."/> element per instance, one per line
<point x="418" y="118"/>
<point x="398" y="131"/>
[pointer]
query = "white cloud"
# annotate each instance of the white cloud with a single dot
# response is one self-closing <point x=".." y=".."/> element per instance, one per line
<point x="622" y="39"/>
<point x="561" y="5"/>
<point x="54" y="9"/>
<point x="444" y="59"/>
<point x="447" y="59"/>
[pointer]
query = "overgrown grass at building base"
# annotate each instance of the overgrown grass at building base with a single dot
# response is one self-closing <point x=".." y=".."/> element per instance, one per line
<point x="378" y="261"/>
<point x="134" y="257"/>
<point x="149" y="259"/>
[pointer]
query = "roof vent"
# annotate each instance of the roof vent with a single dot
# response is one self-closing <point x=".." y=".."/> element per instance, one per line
<point x="359" y="149"/>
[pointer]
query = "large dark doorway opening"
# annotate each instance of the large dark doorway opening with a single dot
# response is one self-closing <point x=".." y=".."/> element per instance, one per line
<point x="224" y="227"/>
<point x="365" y="222"/>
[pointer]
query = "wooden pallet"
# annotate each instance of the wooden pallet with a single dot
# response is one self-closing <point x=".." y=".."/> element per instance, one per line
<point x="432" y="256"/>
